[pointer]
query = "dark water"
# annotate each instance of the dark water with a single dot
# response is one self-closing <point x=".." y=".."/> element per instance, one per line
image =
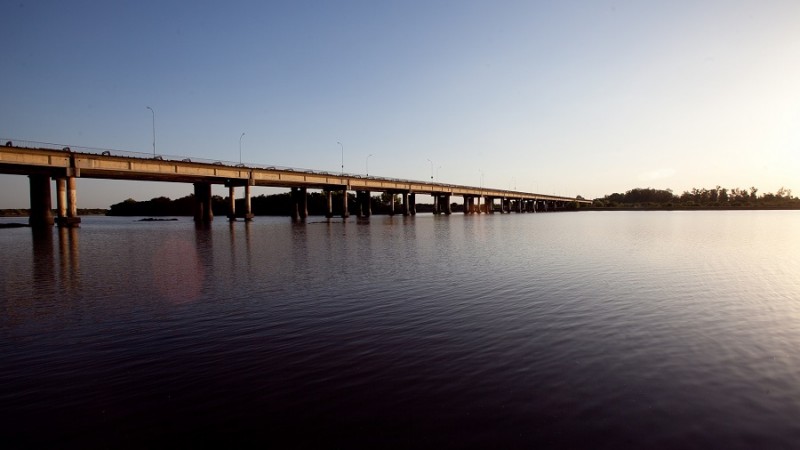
<point x="590" y="329"/>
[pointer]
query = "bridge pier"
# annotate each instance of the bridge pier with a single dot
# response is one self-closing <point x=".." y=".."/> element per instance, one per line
<point x="364" y="204"/>
<point x="202" y="203"/>
<point x="299" y="203"/>
<point x="41" y="206"/>
<point x="328" y="204"/>
<point x="448" y="209"/>
<point x="248" y="208"/>
<point x="391" y="203"/>
<point x="405" y="204"/>
<point x="412" y="204"/>
<point x="435" y="203"/>
<point x="345" y="212"/>
<point x="231" y="203"/>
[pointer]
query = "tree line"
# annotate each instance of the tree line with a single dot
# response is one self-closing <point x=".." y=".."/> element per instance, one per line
<point x="261" y="205"/>
<point x="717" y="197"/>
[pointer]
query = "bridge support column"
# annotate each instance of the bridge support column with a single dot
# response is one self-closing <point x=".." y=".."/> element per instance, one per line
<point x="436" y="203"/>
<point x="303" y="202"/>
<point x="248" y="208"/>
<point x="412" y="204"/>
<point x="202" y="203"/>
<point x="41" y="206"/>
<point x="478" y="206"/>
<point x="299" y="202"/>
<point x="405" y="204"/>
<point x="448" y="208"/>
<point x="231" y="203"/>
<point x="345" y="212"/>
<point x="364" y="204"/>
<point x="391" y="203"/>
<point x="329" y="204"/>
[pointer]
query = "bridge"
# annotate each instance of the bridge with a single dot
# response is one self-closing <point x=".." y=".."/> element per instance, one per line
<point x="65" y="166"/>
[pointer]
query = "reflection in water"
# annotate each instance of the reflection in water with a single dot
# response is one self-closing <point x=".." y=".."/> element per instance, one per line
<point x="69" y="259"/>
<point x="43" y="262"/>
<point x="178" y="267"/>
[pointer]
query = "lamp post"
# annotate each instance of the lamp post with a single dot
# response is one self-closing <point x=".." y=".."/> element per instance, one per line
<point x="340" y="145"/>
<point x="431" y="169"/>
<point x="368" y="163"/>
<point x="154" y="130"/>
<point x="240" y="148"/>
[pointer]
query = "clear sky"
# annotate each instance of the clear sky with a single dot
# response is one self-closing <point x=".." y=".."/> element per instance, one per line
<point x="567" y="97"/>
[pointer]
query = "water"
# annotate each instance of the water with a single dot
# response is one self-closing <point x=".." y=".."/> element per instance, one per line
<point x="591" y="329"/>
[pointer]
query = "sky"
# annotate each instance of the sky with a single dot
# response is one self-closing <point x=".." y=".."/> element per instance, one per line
<point x="569" y="98"/>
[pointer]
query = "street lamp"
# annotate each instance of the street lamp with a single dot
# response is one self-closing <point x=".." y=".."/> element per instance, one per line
<point x="368" y="163"/>
<point x="154" y="130"/>
<point x="431" y="169"/>
<point x="240" y="148"/>
<point x="340" y="145"/>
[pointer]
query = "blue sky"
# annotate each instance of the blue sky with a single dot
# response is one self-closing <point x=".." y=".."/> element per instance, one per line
<point x="571" y="97"/>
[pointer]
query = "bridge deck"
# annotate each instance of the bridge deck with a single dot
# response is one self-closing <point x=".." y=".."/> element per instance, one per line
<point x="27" y="161"/>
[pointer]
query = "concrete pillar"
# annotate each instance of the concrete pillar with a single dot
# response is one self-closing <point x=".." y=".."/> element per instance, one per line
<point x="67" y="202"/>
<point x="248" y="208"/>
<point x="202" y="200"/>
<point x="231" y="203"/>
<point x="412" y="203"/>
<point x="294" y="197"/>
<point x="364" y="203"/>
<point x="41" y="206"/>
<point x="478" y="206"/>
<point x="447" y="208"/>
<point x="72" y="199"/>
<point x="303" y="193"/>
<point x="345" y="212"/>
<point x="519" y="205"/>
<point x="391" y="203"/>
<point x="61" y="199"/>
<point x="329" y="204"/>
<point x="405" y="204"/>
<point x="435" y="203"/>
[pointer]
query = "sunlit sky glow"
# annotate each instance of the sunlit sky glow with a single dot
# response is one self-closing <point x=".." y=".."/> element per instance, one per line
<point x="574" y="98"/>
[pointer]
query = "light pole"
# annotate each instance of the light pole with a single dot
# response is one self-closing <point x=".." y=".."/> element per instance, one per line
<point x="154" y="130"/>
<point x="240" y="148"/>
<point x="340" y="145"/>
<point x="431" y="169"/>
<point x="368" y="163"/>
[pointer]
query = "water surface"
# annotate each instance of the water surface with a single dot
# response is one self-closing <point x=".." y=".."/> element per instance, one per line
<point x="590" y="329"/>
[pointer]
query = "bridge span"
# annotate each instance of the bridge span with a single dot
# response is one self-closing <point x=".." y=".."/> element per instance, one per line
<point x="65" y="166"/>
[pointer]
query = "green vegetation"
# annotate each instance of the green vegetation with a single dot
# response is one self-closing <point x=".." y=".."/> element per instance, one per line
<point x="715" y="198"/>
<point x="262" y="205"/>
<point x="26" y="212"/>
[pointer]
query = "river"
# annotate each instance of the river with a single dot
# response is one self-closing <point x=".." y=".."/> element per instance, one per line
<point x="591" y="329"/>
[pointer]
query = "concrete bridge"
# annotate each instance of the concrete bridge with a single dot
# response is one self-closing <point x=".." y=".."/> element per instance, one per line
<point x="65" y="166"/>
